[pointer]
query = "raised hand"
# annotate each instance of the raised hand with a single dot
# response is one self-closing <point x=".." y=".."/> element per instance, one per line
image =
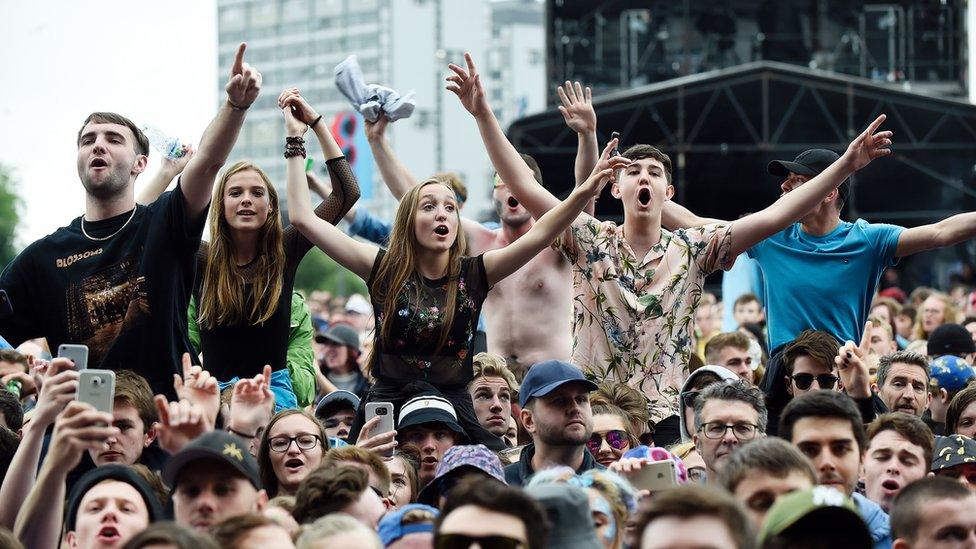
<point x="852" y="366"/>
<point x="252" y="403"/>
<point x="604" y="171"/>
<point x="198" y="387"/>
<point x="179" y="423"/>
<point x="78" y="428"/>
<point x="868" y="146"/>
<point x="383" y="443"/>
<point x="577" y="107"/>
<point x="174" y="166"/>
<point x="299" y="106"/>
<point x="56" y="392"/>
<point x="466" y="84"/>
<point x="376" y="131"/>
<point x="244" y="84"/>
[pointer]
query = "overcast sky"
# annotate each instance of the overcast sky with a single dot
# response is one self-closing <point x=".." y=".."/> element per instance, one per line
<point x="154" y="62"/>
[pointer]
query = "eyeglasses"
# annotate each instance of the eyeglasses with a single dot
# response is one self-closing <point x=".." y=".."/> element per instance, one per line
<point x="697" y="475"/>
<point x="616" y="438"/>
<point x="717" y="429"/>
<point x="804" y="381"/>
<point x="688" y="398"/>
<point x="462" y="541"/>
<point x="281" y="443"/>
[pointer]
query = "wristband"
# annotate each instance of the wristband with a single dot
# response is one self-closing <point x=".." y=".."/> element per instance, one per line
<point x="236" y="107"/>
<point x="317" y="120"/>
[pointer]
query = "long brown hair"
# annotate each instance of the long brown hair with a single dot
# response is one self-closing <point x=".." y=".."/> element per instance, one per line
<point x="222" y="300"/>
<point x="399" y="265"/>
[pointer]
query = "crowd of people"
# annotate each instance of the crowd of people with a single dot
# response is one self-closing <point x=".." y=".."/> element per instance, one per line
<point x="546" y="380"/>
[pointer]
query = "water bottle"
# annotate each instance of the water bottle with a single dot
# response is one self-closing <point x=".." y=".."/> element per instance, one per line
<point x="170" y="147"/>
<point x="14" y="387"/>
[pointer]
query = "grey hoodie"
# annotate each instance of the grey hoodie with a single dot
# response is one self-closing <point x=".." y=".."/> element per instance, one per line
<point x="721" y="372"/>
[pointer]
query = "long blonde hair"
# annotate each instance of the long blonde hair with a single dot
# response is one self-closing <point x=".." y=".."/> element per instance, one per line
<point x="222" y="300"/>
<point x="399" y="265"/>
<point x="949" y="315"/>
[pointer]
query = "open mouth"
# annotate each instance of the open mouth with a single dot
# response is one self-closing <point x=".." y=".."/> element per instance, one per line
<point x="98" y="163"/>
<point x="108" y="533"/>
<point x="441" y="230"/>
<point x="890" y="485"/>
<point x="644" y="196"/>
<point x="294" y="463"/>
<point x="247" y="212"/>
<point x="512" y="202"/>
<point x="430" y="461"/>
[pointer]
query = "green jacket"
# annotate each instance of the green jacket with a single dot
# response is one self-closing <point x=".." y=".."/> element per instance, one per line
<point x="300" y="357"/>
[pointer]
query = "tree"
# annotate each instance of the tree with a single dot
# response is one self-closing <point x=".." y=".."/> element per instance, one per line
<point x="10" y="208"/>
<point x="318" y="272"/>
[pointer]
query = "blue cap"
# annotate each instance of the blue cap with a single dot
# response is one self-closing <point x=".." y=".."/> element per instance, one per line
<point x="391" y="529"/>
<point x="545" y="377"/>
<point x="950" y="373"/>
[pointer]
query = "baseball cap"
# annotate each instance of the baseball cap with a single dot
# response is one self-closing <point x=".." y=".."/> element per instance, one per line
<point x="568" y="508"/>
<point x="951" y="451"/>
<point x="335" y="401"/>
<point x="810" y="163"/>
<point x="121" y="473"/>
<point x="391" y="528"/>
<point x="545" y="377"/>
<point x="475" y="457"/>
<point x="358" y="304"/>
<point x="950" y="339"/>
<point x="429" y="408"/>
<point x="340" y="334"/>
<point x="216" y="445"/>
<point x="950" y="373"/>
<point x="820" y="505"/>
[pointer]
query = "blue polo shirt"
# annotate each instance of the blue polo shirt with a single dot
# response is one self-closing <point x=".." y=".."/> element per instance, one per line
<point x="823" y="282"/>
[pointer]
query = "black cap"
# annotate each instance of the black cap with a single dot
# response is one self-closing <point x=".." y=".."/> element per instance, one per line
<point x="340" y="334"/>
<point x="950" y="339"/>
<point x="335" y="401"/>
<point x="429" y="408"/>
<point x="951" y="451"/>
<point x="215" y="445"/>
<point x="121" y="473"/>
<point x="810" y="163"/>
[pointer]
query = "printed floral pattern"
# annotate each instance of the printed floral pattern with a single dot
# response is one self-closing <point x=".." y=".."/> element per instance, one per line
<point x="634" y="317"/>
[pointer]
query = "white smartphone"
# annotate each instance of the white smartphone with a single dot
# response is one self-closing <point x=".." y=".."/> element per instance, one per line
<point x="77" y="353"/>
<point x="97" y="387"/>
<point x="383" y="410"/>
<point x="655" y="476"/>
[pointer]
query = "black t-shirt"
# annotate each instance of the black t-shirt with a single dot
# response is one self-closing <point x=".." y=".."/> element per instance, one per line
<point x="412" y="354"/>
<point x="124" y="297"/>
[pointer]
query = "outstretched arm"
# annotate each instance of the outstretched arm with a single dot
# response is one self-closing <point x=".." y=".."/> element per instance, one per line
<point x="795" y="204"/>
<point x="168" y="170"/>
<point x="466" y="84"/>
<point x="675" y="216"/>
<point x="219" y="137"/>
<point x="502" y="262"/>
<point x="323" y="188"/>
<point x="356" y="256"/>
<point x="396" y="176"/>
<point x="947" y="232"/>
<point x="577" y="111"/>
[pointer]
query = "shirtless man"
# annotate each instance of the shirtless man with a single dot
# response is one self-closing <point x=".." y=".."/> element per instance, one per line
<point x="528" y="315"/>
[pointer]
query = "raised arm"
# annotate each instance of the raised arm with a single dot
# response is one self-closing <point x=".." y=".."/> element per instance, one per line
<point x="949" y="231"/>
<point x="502" y="262"/>
<point x="168" y="170"/>
<point x="790" y="207"/>
<point x="396" y="176"/>
<point x="356" y="256"/>
<point x="675" y="216"/>
<point x="219" y="137"/>
<point x="322" y="188"/>
<point x="577" y="111"/>
<point x="466" y="84"/>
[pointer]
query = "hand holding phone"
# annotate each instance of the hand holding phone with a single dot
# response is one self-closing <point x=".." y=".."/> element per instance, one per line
<point x="97" y="387"/>
<point x="77" y="353"/>
<point x="380" y="436"/>
<point x="654" y="476"/>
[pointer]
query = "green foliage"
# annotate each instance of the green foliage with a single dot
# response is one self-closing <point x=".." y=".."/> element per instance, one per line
<point x="318" y="272"/>
<point x="10" y="208"/>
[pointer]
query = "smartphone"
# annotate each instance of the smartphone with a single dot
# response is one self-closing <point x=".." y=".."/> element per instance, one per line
<point x="655" y="476"/>
<point x="6" y="308"/>
<point x="97" y="387"/>
<point x="77" y="353"/>
<point x="511" y="455"/>
<point x="384" y="410"/>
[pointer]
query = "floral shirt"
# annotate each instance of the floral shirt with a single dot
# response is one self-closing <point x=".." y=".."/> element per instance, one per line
<point x="412" y="353"/>
<point x="634" y="317"/>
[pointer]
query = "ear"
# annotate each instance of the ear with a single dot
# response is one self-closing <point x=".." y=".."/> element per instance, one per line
<point x="900" y="543"/>
<point x="789" y="385"/>
<point x="831" y="196"/>
<point x="669" y="192"/>
<point x="140" y="165"/>
<point x="615" y="190"/>
<point x="150" y="436"/>
<point x="944" y="396"/>
<point x="697" y="442"/>
<point x="71" y="540"/>
<point x="528" y="422"/>
<point x="874" y="387"/>
<point x="261" y="502"/>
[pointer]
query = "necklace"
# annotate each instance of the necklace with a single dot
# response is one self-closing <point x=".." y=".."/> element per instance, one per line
<point x="103" y="238"/>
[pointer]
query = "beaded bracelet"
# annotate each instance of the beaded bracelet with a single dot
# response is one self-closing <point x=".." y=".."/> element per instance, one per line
<point x="294" y="146"/>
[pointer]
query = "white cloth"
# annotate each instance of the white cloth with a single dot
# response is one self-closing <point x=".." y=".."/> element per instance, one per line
<point x="371" y="100"/>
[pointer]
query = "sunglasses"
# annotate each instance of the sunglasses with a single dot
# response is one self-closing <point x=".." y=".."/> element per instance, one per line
<point x="804" y="381"/>
<point x="461" y="541"/>
<point x="616" y="438"/>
